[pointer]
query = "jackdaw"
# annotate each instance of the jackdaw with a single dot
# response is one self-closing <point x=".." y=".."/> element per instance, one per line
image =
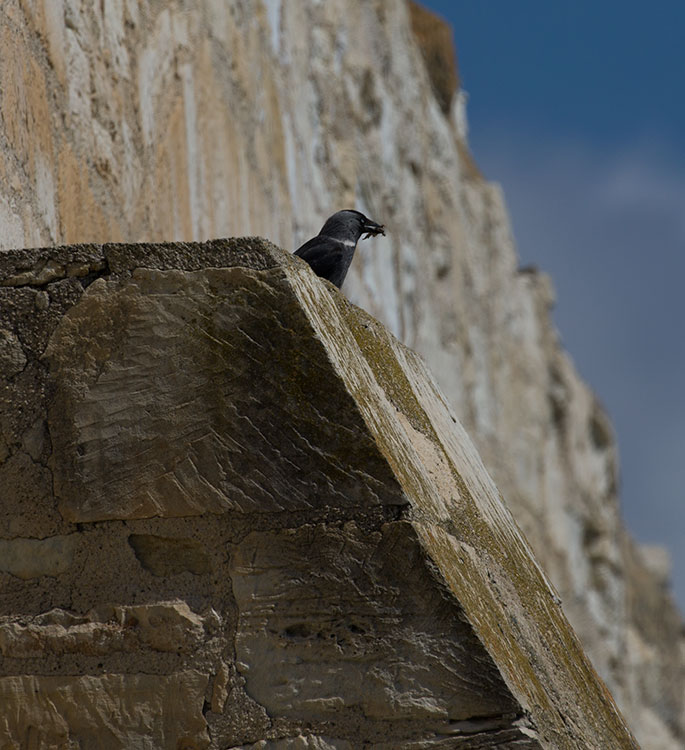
<point x="331" y="251"/>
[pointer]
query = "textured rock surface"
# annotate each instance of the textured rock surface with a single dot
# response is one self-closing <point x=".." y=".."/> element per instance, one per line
<point x="302" y="543"/>
<point x="164" y="120"/>
<point x="108" y="711"/>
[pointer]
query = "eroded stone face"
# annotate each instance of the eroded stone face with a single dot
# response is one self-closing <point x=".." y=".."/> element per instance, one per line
<point x="165" y="556"/>
<point x="180" y="393"/>
<point x="110" y="711"/>
<point x="163" y="626"/>
<point x="333" y="620"/>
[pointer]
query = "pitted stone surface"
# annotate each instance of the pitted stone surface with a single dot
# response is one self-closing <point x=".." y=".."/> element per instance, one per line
<point x="298" y="619"/>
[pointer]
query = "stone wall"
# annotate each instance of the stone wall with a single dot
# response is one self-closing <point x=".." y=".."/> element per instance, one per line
<point x="254" y="520"/>
<point x="158" y="120"/>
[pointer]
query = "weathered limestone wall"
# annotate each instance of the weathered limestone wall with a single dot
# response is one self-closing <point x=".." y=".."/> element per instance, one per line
<point x="161" y="120"/>
<point x="261" y="523"/>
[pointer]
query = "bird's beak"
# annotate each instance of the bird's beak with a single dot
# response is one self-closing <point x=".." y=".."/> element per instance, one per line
<point x="372" y="229"/>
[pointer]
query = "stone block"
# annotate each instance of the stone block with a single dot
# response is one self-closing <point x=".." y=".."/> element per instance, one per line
<point x="223" y="425"/>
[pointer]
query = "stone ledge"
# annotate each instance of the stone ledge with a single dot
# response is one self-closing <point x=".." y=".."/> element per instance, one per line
<point x="215" y="418"/>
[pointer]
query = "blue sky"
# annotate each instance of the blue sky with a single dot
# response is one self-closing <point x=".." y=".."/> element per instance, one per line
<point x="578" y="110"/>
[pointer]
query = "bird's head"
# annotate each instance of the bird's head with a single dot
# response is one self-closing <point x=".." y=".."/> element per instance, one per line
<point x="349" y="225"/>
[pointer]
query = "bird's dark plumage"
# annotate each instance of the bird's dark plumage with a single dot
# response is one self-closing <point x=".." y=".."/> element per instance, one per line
<point x="331" y="251"/>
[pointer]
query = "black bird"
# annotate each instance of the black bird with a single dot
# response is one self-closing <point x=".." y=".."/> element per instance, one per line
<point x="331" y="251"/>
